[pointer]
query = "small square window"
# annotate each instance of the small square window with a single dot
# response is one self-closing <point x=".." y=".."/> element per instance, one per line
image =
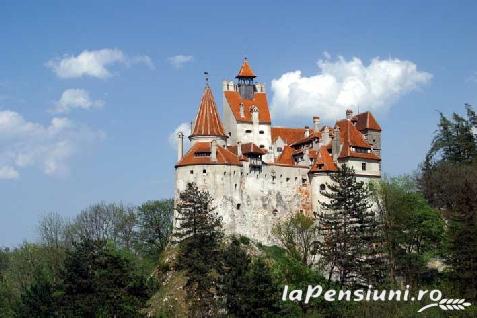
<point x="261" y="132"/>
<point x="279" y="149"/>
<point x="191" y="172"/>
<point x="204" y="171"/>
<point x="248" y="131"/>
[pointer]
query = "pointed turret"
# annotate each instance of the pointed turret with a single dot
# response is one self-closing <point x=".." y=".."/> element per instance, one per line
<point x="207" y="124"/>
<point x="245" y="71"/>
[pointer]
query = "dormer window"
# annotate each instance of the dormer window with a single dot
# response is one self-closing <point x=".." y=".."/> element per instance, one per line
<point x="202" y="154"/>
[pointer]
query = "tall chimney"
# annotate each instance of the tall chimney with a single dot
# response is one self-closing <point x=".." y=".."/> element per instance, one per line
<point x="239" y="149"/>
<point x="336" y="144"/>
<point x="213" y="151"/>
<point x="316" y="123"/>
<point x="307" y="131"/>
<point x="325" y="136"/>
<point x="180" y="145"/>
<point x="349" y="114"/>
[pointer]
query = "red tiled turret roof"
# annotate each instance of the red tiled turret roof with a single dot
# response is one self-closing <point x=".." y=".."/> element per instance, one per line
<point x="245" y="70"/>
<point x="207" y="121"/>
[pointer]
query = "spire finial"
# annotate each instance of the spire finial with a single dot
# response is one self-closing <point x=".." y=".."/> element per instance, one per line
<point x="206" y="74"/>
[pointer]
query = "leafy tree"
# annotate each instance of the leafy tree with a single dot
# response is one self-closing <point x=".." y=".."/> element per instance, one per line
<point x="38" y="300"/>
<point x="102" y="221"/>
<point x="350" y="245"/>
<point x="199" y="232"/>
<point x="298" y="235"/>
<point x="154" y="220"/>
<point x="412" y="231"/>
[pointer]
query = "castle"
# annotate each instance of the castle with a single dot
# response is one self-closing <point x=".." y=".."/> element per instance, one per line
<point x="259" y="174"/>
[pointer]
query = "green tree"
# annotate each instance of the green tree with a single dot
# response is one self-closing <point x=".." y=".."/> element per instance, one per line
<point x="154" y="221"/>
<point x="199" y="233"/>
<point x="298" y="235"/>
<point x="447" y="181"/>
<point x="100" y="281"/>
<point x="351" y="245"/>
<point x="263" y="293"/>
<point x="38" y="300"/>
<point x="235" y="282"/>
<point x="413" y="232"/>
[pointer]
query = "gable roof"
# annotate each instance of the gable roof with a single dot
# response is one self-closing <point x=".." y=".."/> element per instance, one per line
<point x="207" y="122"/>
<point x="351" y="138"/>
<point x="259" y="100"/>
<point x="366" y="121"/>
<point x="350" y="135"/>
<point x="245" y="70"/>
<point x="224" y="156"/>
<point x="324" y="162"/>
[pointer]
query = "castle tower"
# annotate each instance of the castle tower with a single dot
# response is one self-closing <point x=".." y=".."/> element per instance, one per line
<point x="207" y="125"/>
<point x="245" y="80"/>
<point x="246" y="113"/>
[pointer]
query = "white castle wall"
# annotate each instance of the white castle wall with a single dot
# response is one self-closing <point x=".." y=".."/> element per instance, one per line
<point x="250" y="203"/>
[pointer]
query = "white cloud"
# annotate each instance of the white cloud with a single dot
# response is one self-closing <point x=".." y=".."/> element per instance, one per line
<point x="49" y="147"/>
<point x="75" y="98"/>
<point x="342" y="84"/>
<point x="185" y="129"/>
<point x="178" y="61"/>
<point x="94" y="63"/>
<point x="8" y="173"/>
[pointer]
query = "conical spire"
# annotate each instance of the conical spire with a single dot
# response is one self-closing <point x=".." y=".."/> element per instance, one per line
<point x="207" y="121"/>
<point x="245" y="70"/>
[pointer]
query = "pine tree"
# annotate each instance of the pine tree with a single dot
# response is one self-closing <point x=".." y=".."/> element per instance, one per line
<point x="235" y="280"/>
<point x="199" y="233"/>
<point x="350" y="245"/>
<point x="99" y="281"/>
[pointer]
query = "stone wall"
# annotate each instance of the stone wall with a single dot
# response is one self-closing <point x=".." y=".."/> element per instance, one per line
<point x="251" y="202"/>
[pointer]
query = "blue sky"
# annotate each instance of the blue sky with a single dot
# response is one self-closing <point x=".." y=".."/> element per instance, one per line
<point x="74" y="134"/>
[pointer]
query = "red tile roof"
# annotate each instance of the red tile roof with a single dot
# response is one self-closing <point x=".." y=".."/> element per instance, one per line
<point x="324" y="162"/>
<point x="288" y="135"/>
<point x="308" y="139"/>
<point x="350" y="137"/>
<point x="259" y="100"/>
<point x="248" y="148"/>
<point x="207" y="122"/>
<point x="286" y="157"/>
<point x="245" y="70"/>
<point x="349" y="134"/>
<point x="192" y="157"/>
<point x="366" y="121"/>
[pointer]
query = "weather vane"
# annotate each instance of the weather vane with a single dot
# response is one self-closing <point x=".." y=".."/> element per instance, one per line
<point x="206" y="74"/>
